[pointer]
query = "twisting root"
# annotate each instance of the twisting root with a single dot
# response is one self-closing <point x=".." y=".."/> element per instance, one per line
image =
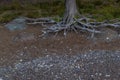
<point x="76" y="25"/>
<point x="81" y="24"/>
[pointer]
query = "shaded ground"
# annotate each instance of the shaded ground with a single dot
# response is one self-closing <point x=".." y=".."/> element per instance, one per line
<point x="20" y="49"/>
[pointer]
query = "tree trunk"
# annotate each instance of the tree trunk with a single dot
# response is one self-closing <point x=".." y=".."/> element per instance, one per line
<point x="70" y="11"/>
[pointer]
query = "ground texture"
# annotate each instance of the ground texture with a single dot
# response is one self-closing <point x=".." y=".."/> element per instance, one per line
<point x="26" y="56"/>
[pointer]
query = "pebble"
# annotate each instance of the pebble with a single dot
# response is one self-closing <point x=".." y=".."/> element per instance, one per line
<point x="107" y="38"/>
<point x="21" y="60"/>
<point x="107" y="75"/>
<point x="1" y="79"/>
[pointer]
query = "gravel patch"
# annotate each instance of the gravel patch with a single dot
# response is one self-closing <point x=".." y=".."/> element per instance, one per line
<point x="95" y="65"/>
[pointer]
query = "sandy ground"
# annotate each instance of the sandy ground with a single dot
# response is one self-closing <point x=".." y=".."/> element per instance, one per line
<point x="23" y="47"/>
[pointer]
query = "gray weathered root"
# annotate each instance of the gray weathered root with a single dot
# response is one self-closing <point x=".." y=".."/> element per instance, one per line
<point x="76" y="25"/>
<point x="84" y="24"/>
<point x="40" y="21"/>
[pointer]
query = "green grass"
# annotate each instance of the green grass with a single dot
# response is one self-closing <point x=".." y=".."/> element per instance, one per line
<point x="8" y="15"/>
<point x="9" y="12"/>
<point x="99" y="9"/>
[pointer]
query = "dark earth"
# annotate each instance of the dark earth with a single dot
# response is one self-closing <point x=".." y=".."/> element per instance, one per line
<point x="24" y="55"/>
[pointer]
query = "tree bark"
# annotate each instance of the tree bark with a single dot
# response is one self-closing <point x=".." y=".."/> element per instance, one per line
<point x="70" y="11"/>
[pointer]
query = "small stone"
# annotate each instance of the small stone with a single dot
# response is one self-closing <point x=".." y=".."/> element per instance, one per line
<point x="21" y="54"/>
<point x="47" y="55"/>
<point x="25" y="47"/>
<point x="107" y="75"/>
<point x="85" y="55"/>
<point x="100" y="74"/>
<point x="61" y="74"/>
<point x="119" y="35"/>
<point x="70" y="49"/>
<point x="1" y="79"/>
<point x="107" y="38"/>
<point x="90" y="50"/>
<point x="46" y="50"/>
<point x="92" y="75"/>
<point x="21" y="60"/>
<point x="96" y="73"/>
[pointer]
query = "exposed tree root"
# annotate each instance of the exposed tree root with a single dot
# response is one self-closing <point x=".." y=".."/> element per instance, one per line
<point x="40" y="21"/>
<point x="84" y="24"/>
<point x="80" y="24"/>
